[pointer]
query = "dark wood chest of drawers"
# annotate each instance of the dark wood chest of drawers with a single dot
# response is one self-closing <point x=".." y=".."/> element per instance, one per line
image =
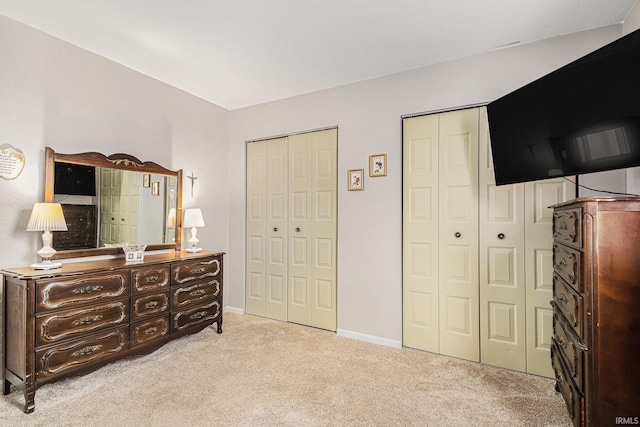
<point x="74" y="319"/>
<point x="596" y="303"/>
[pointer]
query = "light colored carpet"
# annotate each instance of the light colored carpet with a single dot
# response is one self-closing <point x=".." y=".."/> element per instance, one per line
<point x="261" y="372"/>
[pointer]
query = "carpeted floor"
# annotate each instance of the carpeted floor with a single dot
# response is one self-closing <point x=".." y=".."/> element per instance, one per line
<point x="261" y="372"/>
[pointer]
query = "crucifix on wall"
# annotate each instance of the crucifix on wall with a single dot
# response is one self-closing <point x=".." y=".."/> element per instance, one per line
<point x="193" y="180"/>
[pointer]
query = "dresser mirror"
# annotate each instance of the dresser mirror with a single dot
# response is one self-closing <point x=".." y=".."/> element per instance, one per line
<point x="113" y="201"/>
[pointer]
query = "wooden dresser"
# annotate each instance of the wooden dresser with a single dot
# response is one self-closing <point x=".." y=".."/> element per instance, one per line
<point x="71" y="320"/>
<point x="596" y="303"/>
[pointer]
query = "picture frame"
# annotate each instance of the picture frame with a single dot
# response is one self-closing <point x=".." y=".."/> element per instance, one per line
<point x="146" y="180"/>
<point x="378" y="165"/>
<point x="155" y="188"/>
<point x="355" y="179"/>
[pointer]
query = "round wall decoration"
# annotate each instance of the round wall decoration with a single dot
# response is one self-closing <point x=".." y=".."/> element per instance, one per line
<point x="11" y="162"/>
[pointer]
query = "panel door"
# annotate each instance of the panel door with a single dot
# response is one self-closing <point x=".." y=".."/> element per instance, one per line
<point x="458" y="240"/>
<point x="129" y="207"/>
<point x="313" y="229"/>
<point x="276" y="230"/>
<point x="502" y="266"/>
<point x="109" y="206"/>
<point x="324" y="208"/>
<point x="420" y="233"/>
<point x="539" y="196"/>
<point x="256" y="245"/>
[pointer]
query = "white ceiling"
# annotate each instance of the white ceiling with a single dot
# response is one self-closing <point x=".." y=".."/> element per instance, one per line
<point x="237" y="53"/>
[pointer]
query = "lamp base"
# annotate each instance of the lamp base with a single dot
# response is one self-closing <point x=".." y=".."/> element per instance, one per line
<point x="46" y="265"/>
<point x="193" y="249"/>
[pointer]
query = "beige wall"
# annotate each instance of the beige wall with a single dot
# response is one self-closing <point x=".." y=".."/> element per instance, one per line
<point x="368" y="115"/>
<point x="55" y="94"/>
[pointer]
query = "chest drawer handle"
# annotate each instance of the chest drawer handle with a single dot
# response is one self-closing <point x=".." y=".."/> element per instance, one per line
<point x="151" y="331"/>
<point x="87" y="290"/>
<point x="562" y="342"/>
<point x="198" y="315"/>
<point x="151" y="304"/>
<point x="152" y="279"/>
<point x="87" y="350"/>
<point x="562" y="298"/>
<point x="198" y="293"/>
<point x="87" y="320"/>
<point x="198" y="270"/>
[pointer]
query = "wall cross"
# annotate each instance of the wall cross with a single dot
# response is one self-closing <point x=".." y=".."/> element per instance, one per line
<point x="193" y="180"/>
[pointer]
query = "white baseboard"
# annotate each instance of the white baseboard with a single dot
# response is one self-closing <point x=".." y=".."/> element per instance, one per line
<point x="369" y="338"/>
<point x="235" y="310"/>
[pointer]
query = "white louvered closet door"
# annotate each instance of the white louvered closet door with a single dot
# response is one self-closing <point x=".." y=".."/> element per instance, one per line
<point x="293" y="183"/>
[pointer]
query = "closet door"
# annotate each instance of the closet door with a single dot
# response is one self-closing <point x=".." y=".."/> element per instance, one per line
<point x="420" y="233"/>
<point x="313" y="228"/>
<point x="516" y="265"/>
<point x="502" y="266"/>
<point x="440" y="233"/>
<point x="292" y="229"/>
<point x="267" y="193"/>
<point x="539" y="195"/>
<point x="458" y="240"/>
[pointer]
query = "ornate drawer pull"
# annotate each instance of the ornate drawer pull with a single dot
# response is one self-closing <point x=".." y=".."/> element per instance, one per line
<point x="562" y="298"/>
<point x="87" y="350"/>
<point x="198" y="270"/>
<point x="87" y="290"/>
<point x="562" y="342"/>
<point x="151" y="331"/>
<point x="198" y="293"/>
<point x="151" y="304"/>
<point x="150" y="279"/>
<point x="198" y="315"/>
<point x="87" y="320"/>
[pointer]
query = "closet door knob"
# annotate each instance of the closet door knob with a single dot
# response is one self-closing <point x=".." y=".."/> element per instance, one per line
<point x="458" y="234"/>
<point x="297" y="229"/>
<point x="275" y="228"/>
<point x="501" y="236"/>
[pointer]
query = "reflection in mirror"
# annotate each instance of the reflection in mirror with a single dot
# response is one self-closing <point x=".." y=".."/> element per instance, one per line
<point x="114" y="201"/>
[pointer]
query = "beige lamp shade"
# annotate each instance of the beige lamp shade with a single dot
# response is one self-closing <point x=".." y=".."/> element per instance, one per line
<point x="171" y="218"/>
<point x="47" y="217"/>
<point x="193" y="218"/>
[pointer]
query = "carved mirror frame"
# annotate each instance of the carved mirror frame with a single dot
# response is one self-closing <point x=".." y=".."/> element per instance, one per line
<point x="115" y="161"/>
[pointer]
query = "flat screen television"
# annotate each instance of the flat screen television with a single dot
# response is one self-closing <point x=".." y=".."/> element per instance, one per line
<point x="74" y="179"/>
<point x="581" y="118"/>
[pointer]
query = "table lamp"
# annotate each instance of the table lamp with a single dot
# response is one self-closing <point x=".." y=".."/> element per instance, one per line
<point x="193" y="219"/>
<point x="46" y="217"/>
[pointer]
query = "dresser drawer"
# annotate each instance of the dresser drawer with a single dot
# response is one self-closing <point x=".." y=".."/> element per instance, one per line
<point x="197" y="293"/>
<point x="149" y="305"/>
<point x="66" y="358"/>
<point x="572" y="396"/>
<point x="566" y="262"/>
<point x="148" y="279"/>
<point x="53" y="327"/>
<point x="149" y="331"/>
<point x="570" y="303"/>
<point x="54" y="294"/>
<point x="567" y="226"/>
<point x="570" y="347"/>
<point x="195" y="270"/>
<point x="195" y="317"/>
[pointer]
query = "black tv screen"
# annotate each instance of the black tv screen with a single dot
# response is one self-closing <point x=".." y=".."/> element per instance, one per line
<point x="74" y="179"/>
<point x="581" y="118"/>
